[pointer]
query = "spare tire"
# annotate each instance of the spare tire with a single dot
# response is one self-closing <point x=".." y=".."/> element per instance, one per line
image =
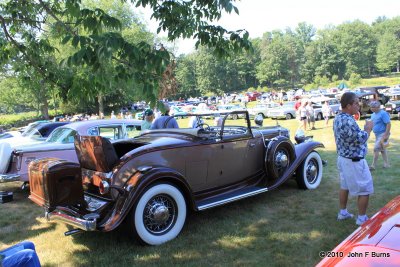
<point x="278" y="157"/>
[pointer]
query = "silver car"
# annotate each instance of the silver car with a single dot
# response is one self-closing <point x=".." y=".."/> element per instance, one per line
<point x="286" y="111"/>
<point x="262" y="109"/>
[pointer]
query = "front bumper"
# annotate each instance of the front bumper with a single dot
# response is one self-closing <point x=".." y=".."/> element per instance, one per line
<point x="5" y="178"/>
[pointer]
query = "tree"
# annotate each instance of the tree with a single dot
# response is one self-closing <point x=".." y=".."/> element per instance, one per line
<point x="387" y="32"/>
<point x="280" y="59"/>
<point x="357" y="44"/>
<point x="186" y="77"/>
<point x="98" y="42"/>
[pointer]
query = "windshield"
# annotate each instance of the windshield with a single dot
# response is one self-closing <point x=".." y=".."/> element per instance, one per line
<point x="30" y="130"/>
<point x="62" y="135"/>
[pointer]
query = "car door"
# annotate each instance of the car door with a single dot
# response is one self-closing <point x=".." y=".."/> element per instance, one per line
<point x="235" y="155"/>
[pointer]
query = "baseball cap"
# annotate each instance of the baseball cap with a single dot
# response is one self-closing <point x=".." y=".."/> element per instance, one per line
<point x="148" y="112"/>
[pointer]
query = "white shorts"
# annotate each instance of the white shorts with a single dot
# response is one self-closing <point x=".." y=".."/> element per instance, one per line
<point x="355" y="176"/>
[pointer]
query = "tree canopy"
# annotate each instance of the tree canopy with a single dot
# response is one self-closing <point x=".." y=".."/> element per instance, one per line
<point x="34" y="31"/>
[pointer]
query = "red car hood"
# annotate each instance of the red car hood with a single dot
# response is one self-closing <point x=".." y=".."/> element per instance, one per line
<point x="375" y="243"/>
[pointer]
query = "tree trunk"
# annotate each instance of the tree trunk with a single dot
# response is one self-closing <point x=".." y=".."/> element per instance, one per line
<point x="44" y="108"/>
<point x="398" y="66"/>
<point x="100" y="100"/>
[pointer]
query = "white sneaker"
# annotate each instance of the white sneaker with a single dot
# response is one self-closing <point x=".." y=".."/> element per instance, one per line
<point x="341" y="217"/>
<point x="362" y="220"/>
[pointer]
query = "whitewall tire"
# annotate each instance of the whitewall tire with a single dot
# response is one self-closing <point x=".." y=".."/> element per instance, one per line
<point x="159" y="214"/>
<point x="309" y="173"/>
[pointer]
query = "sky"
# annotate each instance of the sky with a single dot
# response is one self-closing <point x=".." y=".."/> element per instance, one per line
<point x="260" y="16"/>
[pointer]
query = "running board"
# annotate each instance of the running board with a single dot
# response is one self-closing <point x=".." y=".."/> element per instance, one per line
<point x="228" y="199"/>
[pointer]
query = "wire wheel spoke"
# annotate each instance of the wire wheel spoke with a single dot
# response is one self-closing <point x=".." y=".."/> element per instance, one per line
<point x="160" y="214"/>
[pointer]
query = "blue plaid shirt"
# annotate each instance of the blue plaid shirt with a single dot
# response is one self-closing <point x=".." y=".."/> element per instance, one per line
<point x="351" y="141"/>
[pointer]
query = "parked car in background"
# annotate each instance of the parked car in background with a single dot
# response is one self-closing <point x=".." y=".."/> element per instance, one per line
<point x="229" y="108"/>
<point x="10" y="134"/>
<point x="286" y="111"/>
<point x="153" y="180"/>
<point x="318" y="104"/>
<point x="368" y="94"/>
<point x="60" y="144"/>
<point x="262" y="109"/>
<point x="253" y="96"/>
<point x="393" y="108"/>
<point x="178" y="112"/>
<point x="375" y="243"/>
<point x="35" y="133"/>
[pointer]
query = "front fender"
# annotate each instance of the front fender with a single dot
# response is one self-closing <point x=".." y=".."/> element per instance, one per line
<point x="136" y="186"/>
<point x="301" y="150"/>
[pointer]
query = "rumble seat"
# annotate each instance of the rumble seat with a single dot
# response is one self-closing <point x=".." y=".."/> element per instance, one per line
<point x="95" y="153"/>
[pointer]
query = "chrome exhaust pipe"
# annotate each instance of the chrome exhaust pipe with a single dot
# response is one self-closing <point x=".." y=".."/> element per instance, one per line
<point x="73" y="232"/>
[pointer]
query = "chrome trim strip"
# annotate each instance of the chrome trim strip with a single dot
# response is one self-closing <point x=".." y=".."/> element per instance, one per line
<point x="86" y="225"/>
<point x="228" y="200"/>
<point x="5" y="178"/>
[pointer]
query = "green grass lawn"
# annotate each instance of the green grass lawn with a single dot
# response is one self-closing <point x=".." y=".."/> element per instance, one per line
<point x="285" y="227"/>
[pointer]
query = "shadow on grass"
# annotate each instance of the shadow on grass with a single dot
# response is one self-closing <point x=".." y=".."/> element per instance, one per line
<point x="18" y="218"/>
<point x="284" y="227"/>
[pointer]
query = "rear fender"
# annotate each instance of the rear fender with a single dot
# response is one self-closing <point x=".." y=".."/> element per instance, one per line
<point x="136" y="186"/>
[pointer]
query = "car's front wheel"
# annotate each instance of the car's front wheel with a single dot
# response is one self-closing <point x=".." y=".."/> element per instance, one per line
<point x="289" y="116"/>
<point x="309" y="173"/>
<point x="159" y="214"/>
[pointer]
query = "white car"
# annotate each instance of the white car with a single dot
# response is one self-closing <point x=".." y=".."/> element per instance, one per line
<point x="10" y="134"/>
<point x="318" y="104"/>
<point x="262" y="109"/>
<point x="286" y="111"/>
<point x="229" y="108"/>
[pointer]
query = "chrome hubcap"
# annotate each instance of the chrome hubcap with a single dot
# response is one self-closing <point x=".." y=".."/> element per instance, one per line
<point x="281" y="161"/>
<point x="160" y="214"/>
<point x="311" y="171"/>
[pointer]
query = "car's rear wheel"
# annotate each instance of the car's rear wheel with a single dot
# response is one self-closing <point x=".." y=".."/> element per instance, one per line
<point x="289" y="116"/>
<point x="319" y="116"/>
<point x="159" y="214"/>
<point x="309" y="173"/>
<point x="280" y="154"/>
<point x="235" y="116"/>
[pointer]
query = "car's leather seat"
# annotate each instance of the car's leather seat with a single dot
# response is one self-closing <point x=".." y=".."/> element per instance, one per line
<point x="95" y="153"/>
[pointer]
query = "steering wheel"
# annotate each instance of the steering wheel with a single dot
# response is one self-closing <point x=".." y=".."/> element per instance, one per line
<point x="204" y="126"/>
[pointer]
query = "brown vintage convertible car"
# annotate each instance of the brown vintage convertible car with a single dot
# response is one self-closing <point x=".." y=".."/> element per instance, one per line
<point x="150" y="182"/>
